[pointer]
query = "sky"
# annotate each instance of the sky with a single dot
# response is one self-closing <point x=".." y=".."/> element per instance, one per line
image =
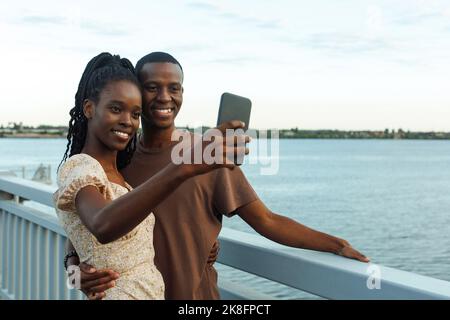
<point x="324" y="64"/>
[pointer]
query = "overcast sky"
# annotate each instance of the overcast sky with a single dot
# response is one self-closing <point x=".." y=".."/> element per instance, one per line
<point x="346" y="64"/>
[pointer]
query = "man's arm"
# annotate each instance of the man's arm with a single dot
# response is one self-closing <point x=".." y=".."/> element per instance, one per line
<point x="291" y="233"/>
<point x="93" y="282"/>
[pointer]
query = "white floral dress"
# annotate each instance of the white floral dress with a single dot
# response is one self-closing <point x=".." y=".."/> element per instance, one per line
<point x="131" y="256"/>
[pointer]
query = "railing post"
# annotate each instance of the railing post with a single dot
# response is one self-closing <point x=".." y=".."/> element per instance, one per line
<point x="26" y="269"/>
<point x="17" y="257"/>
<point x="2" y="248"/>
<point x="61" y="273"/>
<point x="43" y="263"/>
<point x="9" y="256"/>
<point x="51" y="269"/>
<point x="34" y="262"/>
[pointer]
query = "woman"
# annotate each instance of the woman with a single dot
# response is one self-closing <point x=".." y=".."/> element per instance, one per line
<point x="109" y="224"/>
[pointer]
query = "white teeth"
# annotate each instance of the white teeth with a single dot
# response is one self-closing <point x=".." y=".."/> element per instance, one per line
<point x="122" y="134"/>
<point x="164" y="110"/>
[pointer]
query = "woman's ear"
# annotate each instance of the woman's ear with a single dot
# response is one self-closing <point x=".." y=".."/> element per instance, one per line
<point x="88" y="108"/>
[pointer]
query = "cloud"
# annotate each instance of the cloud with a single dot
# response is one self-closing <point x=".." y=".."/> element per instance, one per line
<point x="234" y="60"/>
<point x="84" y="24"/>
<point x="418" y="18"/>
<point x="269" y="24"/>
<point x="55" y="20"/>
<point x="235" y="18"/>
<point x="188" y="47"/>
<point x="339" y="43"/>
<point x="249" y="21"/>
<point x="102" y="29"/>
<point x="202" y="6"/>
<point x="245" y="60"/>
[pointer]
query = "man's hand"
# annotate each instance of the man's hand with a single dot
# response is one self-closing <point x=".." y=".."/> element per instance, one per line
<point x="349" y="252"/>
<point x="94" y="282"/>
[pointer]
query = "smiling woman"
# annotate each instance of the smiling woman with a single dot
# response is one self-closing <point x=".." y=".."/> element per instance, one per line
<point x="117" y="112"/>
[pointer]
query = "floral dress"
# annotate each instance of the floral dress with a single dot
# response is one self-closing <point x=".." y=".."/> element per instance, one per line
<point x="131" y="255"/>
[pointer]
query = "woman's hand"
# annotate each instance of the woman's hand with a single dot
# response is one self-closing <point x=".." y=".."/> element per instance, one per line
<point x="224" y="146"/>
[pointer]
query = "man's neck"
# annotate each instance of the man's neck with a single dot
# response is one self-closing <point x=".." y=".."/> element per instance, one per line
<point x="153" y="137"/>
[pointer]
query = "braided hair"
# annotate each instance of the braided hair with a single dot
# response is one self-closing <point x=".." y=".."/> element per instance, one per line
<point x="100" y="71"/>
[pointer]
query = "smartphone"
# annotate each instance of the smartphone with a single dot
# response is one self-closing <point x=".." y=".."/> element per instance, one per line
<point x="234" y="107"/>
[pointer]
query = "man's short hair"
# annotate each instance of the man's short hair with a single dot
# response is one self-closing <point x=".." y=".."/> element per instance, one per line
<point x="156" y="57"/>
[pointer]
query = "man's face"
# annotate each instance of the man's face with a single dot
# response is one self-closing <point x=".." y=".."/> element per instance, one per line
<point x="162" y="95"/>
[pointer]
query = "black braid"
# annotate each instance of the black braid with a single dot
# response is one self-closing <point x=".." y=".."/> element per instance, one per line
<point x="99" y="72"/>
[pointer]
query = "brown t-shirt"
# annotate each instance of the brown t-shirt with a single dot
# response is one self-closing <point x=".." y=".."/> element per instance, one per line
<point x="188" y="222"/>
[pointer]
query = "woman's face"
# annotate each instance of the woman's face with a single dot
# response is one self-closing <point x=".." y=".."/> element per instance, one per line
<point x="114" y="120"/>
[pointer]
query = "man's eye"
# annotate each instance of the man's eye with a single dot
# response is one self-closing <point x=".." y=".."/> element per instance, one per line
<point x="175" y="89"/>
<point x="151" y="88"/>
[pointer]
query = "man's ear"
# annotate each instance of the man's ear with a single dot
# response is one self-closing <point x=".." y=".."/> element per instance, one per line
<point x="88" y="108"/>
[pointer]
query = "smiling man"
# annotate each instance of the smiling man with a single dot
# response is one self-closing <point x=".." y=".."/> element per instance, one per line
<point x="189" y="221"/>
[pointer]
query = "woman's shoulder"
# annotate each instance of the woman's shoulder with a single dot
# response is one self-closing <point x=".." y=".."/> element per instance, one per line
<point x="79" y="165"/>
<point x="77" y="172"/>
<point x="81" y="160"/>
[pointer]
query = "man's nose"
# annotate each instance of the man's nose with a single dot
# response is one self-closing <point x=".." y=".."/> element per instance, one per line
<point x="164" y="95"/>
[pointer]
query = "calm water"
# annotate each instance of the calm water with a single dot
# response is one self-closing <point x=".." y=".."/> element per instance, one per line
<point x="390" y="199"/>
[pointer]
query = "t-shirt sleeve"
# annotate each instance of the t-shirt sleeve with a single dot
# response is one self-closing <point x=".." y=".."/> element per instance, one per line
<point x="232" y="191"/>
<point x="76" y="173"/>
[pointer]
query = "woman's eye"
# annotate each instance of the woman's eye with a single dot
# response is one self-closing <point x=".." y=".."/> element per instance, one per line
<point x="115" y="109"/>
<point x="136" y="115"/>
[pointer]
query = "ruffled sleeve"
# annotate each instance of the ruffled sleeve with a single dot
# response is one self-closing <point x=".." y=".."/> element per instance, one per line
<point x="77" y="172"/>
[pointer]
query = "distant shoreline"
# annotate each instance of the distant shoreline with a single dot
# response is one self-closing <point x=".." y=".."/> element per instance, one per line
<point x="38" y="137"/>
<point x="32" y="136"/>
<point x="49" y="132"/>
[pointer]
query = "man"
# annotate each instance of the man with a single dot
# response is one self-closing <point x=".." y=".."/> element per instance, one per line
<point x="188" y="222"/>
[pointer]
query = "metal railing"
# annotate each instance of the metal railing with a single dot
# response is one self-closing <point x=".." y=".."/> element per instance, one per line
<point x="32" y="244"/>
<point x="32" y="251"/>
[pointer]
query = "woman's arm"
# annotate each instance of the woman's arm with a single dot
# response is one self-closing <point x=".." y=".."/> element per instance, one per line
<point x="109" y="220"/>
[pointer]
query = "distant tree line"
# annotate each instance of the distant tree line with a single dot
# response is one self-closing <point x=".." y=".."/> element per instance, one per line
<point x="296" y="133"/>
<point x="14" y="128"/>
<point x="18" y="129"/>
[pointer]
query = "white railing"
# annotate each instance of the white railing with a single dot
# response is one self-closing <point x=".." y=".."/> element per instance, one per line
<point x="32" y="251"/>
<point x="32" y="245"/>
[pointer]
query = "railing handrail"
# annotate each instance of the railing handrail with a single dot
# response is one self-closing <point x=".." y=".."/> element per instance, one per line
<point x="27" y="189"/>
<point x="322" y="274"/>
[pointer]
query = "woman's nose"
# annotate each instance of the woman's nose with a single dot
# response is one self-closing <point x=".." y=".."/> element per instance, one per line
<point x="126" y="119"/>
